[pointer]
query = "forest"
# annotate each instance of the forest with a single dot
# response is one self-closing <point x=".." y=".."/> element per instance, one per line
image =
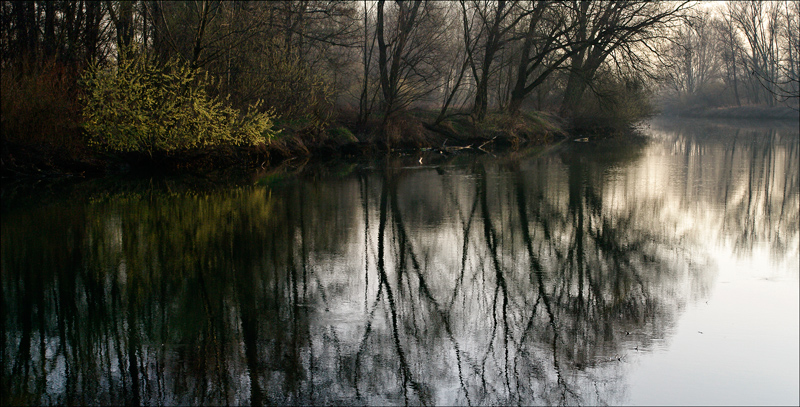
<point x="85" y="83"/>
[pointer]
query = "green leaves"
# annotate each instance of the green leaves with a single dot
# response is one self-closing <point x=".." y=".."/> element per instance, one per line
<point x="144" y="106"/>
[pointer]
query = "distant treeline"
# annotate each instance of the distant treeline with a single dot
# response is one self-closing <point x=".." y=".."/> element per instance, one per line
<point x="734" y="54"/>
<point x="311" y="63"/>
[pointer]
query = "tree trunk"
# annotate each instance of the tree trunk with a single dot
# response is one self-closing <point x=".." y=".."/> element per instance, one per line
<point x="362" y="99"/>
<point x="123" y="23"/>
<point x="518" y="94"/>
<point x="125" y="27"/>
<point x="390" y="76"/>
<point x="493" y="43"/>
<point x="49" y="29"/>
<point x="91" y="39"/>
<point x="576" y="85"/>
<point x="481" y="96"/>
<point x="735" y="80"/>
<point x="382" y="58"/>
<point x="25" y="27"/>
<point x="160" y="39"/>
<point x="197" y="43"/>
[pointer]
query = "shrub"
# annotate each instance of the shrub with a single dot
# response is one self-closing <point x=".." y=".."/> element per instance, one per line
<point x="39" y="107"/>
<point x="301" y="95"/>
<point x="616" y="104"/>
<point x="148" y="107"/>
<point x="342" y="135"/>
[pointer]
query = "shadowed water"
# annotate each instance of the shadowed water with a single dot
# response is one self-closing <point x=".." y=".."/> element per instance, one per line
<point x="572" y="275"/>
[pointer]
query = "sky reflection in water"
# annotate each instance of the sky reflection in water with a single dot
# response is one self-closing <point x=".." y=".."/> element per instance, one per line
<point x="662" y="273"/>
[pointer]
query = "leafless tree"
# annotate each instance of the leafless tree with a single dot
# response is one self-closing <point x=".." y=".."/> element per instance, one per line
<point x="545" y="47"/>
<point x="495" y="22"/>
<point x="758" y="22"/>
<point x="408" y="36"/>
<point x="731" y="51"/>
<point x="613" y="29"/>
<point x="694" y="60"/>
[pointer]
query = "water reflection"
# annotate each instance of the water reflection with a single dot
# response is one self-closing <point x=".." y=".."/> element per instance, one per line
<point x="751" y="174"/>
<point x="525" y="279"/>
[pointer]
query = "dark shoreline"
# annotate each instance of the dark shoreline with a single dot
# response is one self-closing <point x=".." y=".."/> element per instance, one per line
<point x="415" y="136"/>
<point x="24" y="161"/>
<point x="19" y="162"/>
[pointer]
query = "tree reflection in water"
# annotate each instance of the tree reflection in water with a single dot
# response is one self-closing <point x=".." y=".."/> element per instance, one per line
<point x="480" y="281"/>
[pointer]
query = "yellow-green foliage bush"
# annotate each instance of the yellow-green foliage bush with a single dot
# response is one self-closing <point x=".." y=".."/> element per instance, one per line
<point x="143" y="106"/>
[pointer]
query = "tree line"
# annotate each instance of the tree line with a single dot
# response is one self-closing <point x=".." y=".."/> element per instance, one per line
<point x="309" y="60"/>
<point x="734" y="54"/>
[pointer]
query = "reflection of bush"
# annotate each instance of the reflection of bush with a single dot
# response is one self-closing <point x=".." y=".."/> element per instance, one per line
<point x="184" y="229"/>
<point x="135" y="274"/>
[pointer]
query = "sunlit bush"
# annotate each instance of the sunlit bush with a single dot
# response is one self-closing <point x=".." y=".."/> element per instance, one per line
<point x="144" y="106"/>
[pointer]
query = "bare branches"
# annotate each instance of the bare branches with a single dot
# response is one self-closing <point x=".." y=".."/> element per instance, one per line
<point x="745" y="53"/>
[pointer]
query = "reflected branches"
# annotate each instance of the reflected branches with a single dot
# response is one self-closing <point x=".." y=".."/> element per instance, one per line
<point x="756" y="183"/>
<point x="510" y="281"/>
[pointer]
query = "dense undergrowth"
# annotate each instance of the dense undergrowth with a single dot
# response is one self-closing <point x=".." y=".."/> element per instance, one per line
<point x="142" y="114"/>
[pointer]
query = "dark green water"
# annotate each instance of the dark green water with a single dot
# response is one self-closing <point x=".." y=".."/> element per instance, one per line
<point x="660" y="273"/>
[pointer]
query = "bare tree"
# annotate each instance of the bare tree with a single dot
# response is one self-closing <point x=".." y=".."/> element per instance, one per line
<point x="693" y="57"/>
<point x="407" y="38"/>
<point x="496" y="21"/>
<point x="122" y="15"/>
<point x="203" y="32"/>
<point x="545" y="47"/>
<point x="789" y="86"/>
<point x="390" y="75"/>
<point x="603" y="29"/>
<point x="731" y="51"/>
<point x="771" y="32"/>
<point x="366" y="100"/>
<point x="771" y="48"/>
<point x="758" y="22"/>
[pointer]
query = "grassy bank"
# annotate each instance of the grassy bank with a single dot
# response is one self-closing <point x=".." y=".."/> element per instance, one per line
<point x="154" y="117"/>
<point x="753" y="112"/>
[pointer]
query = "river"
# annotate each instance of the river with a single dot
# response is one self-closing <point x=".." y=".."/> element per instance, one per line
<point x="655" y="272"/>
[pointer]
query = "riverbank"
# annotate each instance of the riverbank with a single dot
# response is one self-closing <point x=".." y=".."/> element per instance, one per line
<point x="738" y="112"/>
<point x="416" y="130"/>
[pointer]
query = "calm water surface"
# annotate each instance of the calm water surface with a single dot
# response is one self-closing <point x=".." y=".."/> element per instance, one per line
<point x="664" y="272"/>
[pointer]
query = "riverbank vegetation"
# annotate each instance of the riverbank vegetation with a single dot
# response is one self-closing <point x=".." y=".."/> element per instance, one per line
<point x="90" y="86"/>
